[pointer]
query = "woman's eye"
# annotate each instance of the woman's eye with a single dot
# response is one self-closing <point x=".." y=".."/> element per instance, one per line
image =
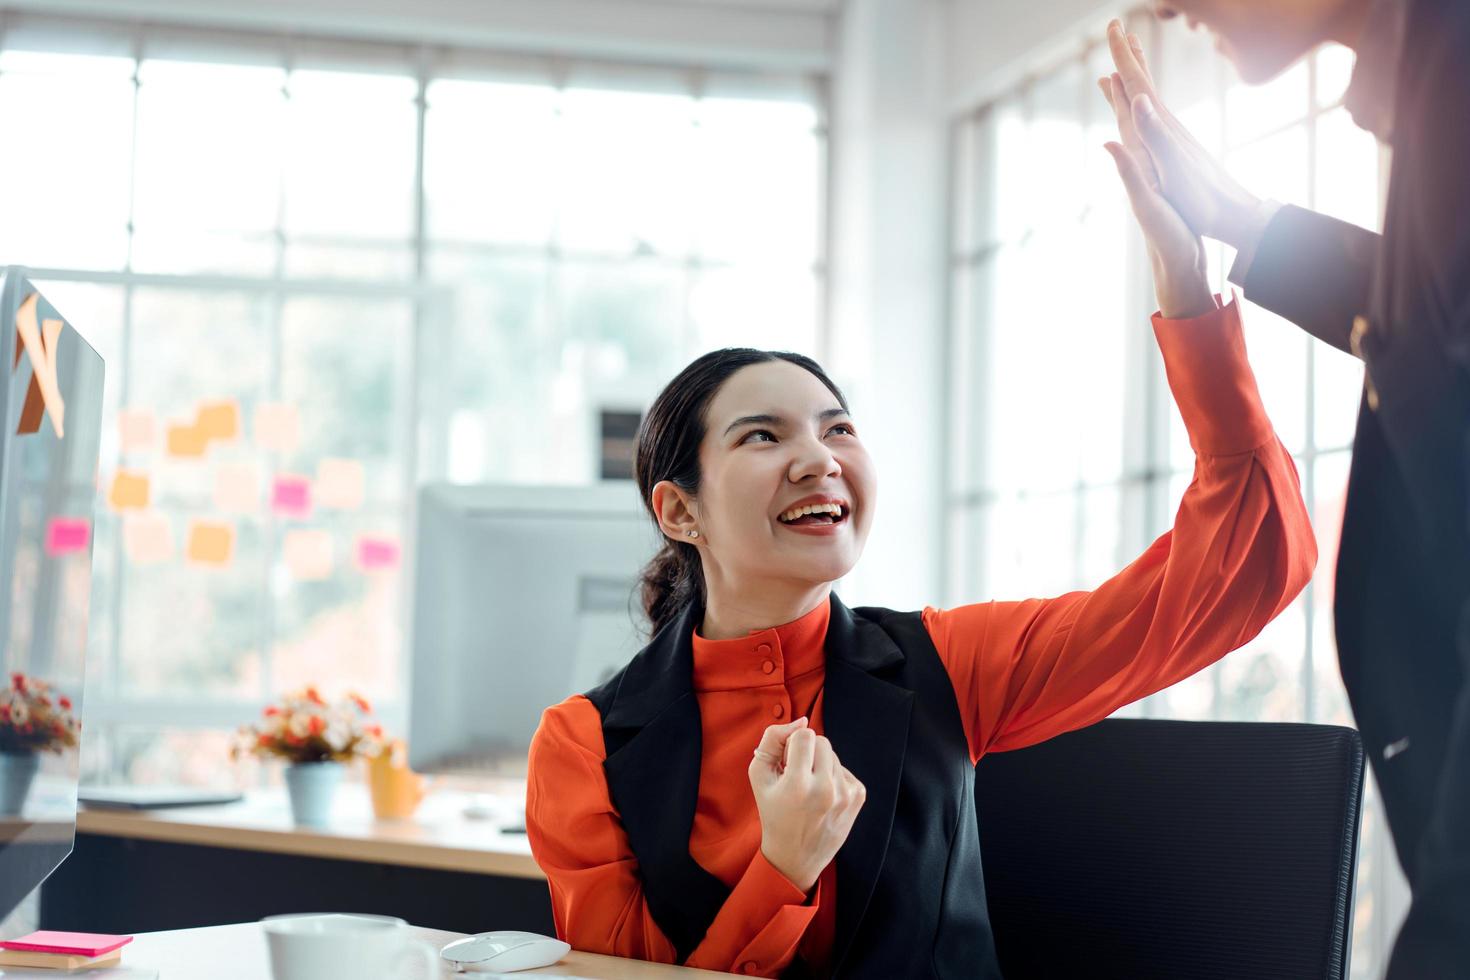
<point x="846" y="429"/>
<point x="758" y="432"/>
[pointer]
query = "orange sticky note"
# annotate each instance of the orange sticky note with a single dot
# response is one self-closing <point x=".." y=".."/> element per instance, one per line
<point x="218" y="421"/>
<point x="186" y="441"/>
<point x="148" y="538"/>
<point x="277" y="427"/>
<point x="237" y="487"/>
<point x="308" y="554"/>
<point x="340" y="484"/>
<point x="129" y="491"/>
<point x="135" y="430"/>
<point x="211" y="543"/>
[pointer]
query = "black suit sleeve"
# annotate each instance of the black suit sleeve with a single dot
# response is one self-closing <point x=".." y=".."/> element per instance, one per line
<point x="1314" y="271"/>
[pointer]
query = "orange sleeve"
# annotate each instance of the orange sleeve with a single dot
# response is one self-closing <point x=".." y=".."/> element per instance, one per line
<point x="1240" y="551"/>
<point x="597" y="900"/>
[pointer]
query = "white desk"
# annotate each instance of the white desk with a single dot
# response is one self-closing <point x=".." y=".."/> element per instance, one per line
<point x="145" y="871"/>
<point x="239" y="952"/>
<point x="439" y="836"/>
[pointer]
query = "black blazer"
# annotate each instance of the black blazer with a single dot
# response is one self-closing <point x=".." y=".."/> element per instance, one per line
<point x="910" y="893"/>
<point x="1401" y="302"/>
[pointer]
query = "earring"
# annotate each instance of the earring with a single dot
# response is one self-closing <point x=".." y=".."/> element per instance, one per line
<point x="692" y="534"/>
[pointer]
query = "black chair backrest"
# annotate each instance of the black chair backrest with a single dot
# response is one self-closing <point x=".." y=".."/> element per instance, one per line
<point x="1174" y="850"/>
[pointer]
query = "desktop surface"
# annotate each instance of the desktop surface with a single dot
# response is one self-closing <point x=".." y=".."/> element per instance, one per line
<point x="238" y="952"/>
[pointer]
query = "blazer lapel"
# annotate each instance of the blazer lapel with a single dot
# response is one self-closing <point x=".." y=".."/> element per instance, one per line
<point x="652" y="731"/>
<point x="867" y="720"/>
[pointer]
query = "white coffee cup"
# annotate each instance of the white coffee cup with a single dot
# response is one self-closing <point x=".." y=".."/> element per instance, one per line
<point x="329" y="947"/>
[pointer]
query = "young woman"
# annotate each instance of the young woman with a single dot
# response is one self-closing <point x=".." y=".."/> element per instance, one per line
<point x="780" y="786"/>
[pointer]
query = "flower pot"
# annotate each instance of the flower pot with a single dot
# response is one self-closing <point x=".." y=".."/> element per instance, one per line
<point x="17" y="772"/>
<point x="311" y="786"/>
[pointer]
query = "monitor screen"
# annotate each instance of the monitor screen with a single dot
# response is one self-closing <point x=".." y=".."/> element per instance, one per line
<point x="52" y="388"/>
<point x="523" y="596"/>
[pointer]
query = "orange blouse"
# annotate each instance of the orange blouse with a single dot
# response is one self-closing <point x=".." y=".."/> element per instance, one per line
<point x="1240" y="551"/>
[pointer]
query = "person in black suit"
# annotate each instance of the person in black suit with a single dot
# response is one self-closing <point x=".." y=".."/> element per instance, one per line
<point x="1401" y="303"/>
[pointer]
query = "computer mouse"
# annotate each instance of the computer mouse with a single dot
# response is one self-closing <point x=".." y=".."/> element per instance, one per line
<point x="504" y="952"/>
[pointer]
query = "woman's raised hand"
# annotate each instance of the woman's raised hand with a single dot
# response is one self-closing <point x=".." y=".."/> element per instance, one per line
<point x="1181" y="276"/>
<point x="806" y="799"/>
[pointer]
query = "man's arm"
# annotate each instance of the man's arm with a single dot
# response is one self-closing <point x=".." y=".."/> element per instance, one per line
<point x="1314" y="271"/>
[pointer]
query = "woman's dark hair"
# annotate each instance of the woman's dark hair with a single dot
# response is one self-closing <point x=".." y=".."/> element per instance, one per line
<point x="668" y="449"/>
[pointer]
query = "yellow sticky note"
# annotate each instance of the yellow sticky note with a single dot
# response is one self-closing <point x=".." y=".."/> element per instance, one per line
<point x="277" y="427"/>
<point x="237" y="488"/>
<point x="186" y="441"/>
<point x="218" y="421"/>
<point x="340" y="484"/>
<point x="135" y="430"/>
<point x="148" y="538"/>
<point x="308" y="554"/>
<point x="211" y="543"/>
<point x="129" y="491"/>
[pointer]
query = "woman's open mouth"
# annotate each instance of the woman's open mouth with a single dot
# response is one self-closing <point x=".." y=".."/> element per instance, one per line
<point x="815" y="518"/>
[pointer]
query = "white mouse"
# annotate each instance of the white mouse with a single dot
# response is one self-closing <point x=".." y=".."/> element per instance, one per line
<point x="504" y="952"/>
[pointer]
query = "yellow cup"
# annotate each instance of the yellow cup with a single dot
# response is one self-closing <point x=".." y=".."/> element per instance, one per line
<point x="396" y="789"/>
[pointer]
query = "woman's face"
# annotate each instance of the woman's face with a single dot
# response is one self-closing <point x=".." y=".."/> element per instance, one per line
<point x="1261" y="37"/>
<point x="776" y="438"/>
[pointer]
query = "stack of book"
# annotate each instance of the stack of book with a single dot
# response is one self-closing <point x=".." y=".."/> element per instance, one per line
<point x="63" y="951"/>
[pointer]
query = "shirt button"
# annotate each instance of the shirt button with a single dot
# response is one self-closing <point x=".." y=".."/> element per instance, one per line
<point x="763" y="648"/>
<point x="778" y="710"/>
<point x="768" y="667"/>
<point x="748" y="968"/>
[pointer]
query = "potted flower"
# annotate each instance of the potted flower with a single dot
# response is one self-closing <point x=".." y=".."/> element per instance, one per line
<point x="315" y="738"/>
<point x="33" y="719"/>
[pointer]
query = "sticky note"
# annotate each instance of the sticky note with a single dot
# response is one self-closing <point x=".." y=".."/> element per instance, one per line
<point x="377" y="553"/>
<point x="186" y="441"/>
<point x="308" y="554"/>
<point x="211" y="543"/>
<point x="291" y="496"/>
<point x="67" y="535"/>
<point x="237" y="487"/>
<point x="218" y="421"/>
<point x="136" y="430"/>
<point x="277" y="427"/>
<point x="129" y="491"/>
<point x="148" y="538"/>
<point x="340" y="484"/>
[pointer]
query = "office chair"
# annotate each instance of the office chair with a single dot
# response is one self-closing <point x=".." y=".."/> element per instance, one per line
<point x="1174" y="850"/>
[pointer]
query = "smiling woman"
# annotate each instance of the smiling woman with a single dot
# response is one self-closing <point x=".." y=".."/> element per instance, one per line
<point x="770" y="747"/>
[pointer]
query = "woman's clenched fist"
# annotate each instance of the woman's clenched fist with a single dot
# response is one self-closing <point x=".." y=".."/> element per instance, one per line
<point x="807" y="801"/>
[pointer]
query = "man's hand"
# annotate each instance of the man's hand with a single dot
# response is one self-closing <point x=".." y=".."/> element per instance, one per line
<point x="1193" y="181"/>
<point x="807" y="801"/>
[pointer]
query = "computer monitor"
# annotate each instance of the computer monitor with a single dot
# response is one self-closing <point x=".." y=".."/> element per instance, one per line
<point x="51" y="385"/>
<point x="522" y="597"/>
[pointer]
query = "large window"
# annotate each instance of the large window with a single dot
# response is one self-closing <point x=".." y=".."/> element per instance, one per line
<point x="1050" y="301"/>
<point x="320" y="273"/>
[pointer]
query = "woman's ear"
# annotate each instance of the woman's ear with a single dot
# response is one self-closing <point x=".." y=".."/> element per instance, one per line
<point x="675" y="510"/>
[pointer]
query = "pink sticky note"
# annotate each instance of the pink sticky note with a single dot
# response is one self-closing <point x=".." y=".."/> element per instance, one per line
<point x="67" y="535"/>
<point x="148" y="538"/>
<point x="277" y="427"/>
<point x="377" y="553"/>
<point x="291" y="496"/>
<point x="308" y="554"/>
<point x="136" y="430"/>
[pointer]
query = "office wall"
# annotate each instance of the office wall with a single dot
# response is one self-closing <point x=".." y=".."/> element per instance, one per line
<point x="784" y="34"/>
<point x="992" y="41"/>
<point x="888" y="232"/>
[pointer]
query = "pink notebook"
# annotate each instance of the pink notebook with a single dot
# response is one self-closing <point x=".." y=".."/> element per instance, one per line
<point x="67" y="943"/>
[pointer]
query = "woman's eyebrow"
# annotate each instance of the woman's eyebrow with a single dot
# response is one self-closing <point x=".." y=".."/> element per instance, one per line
<point x="778" y="420"/>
